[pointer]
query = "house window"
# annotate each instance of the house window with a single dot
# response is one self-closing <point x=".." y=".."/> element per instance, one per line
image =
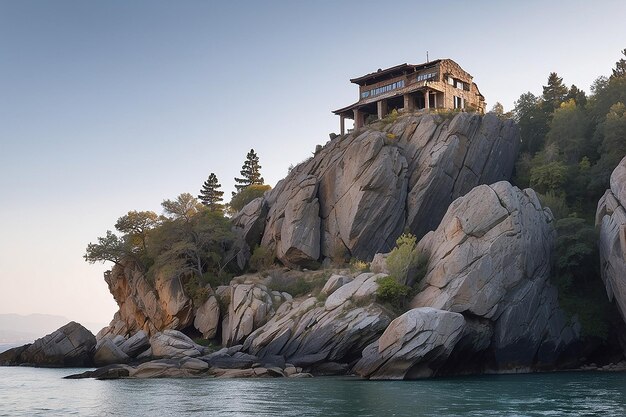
<point x="458" y="84"/>
<point x="423" y="77"/>
<point x="383" y="89"/>
<point x="459" y="103"/>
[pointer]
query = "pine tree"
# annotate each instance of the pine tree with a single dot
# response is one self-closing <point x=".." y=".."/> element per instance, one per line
<point x="210" y="195"/>
<point x="250" y="172"/>
<point x="555" y="92"/>
<point x="620" y="67"/>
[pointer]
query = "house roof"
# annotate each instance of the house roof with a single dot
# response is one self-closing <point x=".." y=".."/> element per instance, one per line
<point x="391" y="72"/>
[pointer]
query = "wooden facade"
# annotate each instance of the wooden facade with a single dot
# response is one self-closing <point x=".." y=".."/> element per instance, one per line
<point x="440" y="84"/>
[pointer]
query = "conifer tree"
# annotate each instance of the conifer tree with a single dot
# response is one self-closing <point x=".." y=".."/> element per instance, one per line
<point x="210" y="195"/>
<point x="620" y="67"/>
<point x="250" y="172"/>
<point x="554" y="93"/>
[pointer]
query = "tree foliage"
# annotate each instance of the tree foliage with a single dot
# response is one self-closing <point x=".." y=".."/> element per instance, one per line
<point x="245" y="196"/>
<point x="571" y="143"/>
<point x="620" y="67"/>
<point x="250" y="172"/>
<point x="189" y="242"/>
<point x="554" y="93"/>
<point x="210" y="194"/>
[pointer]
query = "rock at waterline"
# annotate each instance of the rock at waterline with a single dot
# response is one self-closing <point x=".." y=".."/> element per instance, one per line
<point x="69" y="346"/>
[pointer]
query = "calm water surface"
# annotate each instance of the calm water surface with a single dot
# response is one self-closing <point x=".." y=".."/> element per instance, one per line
<point x="42" y="392"/>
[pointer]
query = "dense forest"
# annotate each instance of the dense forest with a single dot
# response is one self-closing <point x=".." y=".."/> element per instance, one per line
<point x="571" y="142"/>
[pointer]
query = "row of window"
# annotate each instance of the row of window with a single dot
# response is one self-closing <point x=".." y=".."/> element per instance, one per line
<point x="383" y="89"/>
<point x="423" y="77"/>
<point x="458" y="84"/>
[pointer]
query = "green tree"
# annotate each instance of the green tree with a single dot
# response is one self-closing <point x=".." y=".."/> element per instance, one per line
<point x="136" y="225"/>
<point x="245" y="196"/>
<point x="579" y="96"/>
<point x="185" y="206"/>
<point x="620" y="67"/>
<point x="554" y="93"/>
<point x="109" y="248"/>
<point x="533" y="123"/>
<point x="569" y="130"/>
<point x="210" y="194"/>
<point x="250" y="172"/>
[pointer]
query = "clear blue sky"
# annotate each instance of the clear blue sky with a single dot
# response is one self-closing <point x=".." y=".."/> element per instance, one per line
<point x="109" y="106"/>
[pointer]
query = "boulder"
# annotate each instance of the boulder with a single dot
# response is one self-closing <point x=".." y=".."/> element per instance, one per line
<point x="208" y="318"/>
<point x="108" y="353"/>
<point x="70" y="346"/>
<point x="251" y="305"/>
<point x="170" y="368"/>
<point x="412" y="345"/>
<point x="489" y="259"/>
<point x="306" y="332"/>
<point x="360" y="191"/>
<point x="362" y="288"/>
<point x="334" y="282"/>
<point x="226" y="360"/>
<point x="379" y="263"/>
<point x="136" y="344"/>
<point x="115" y="371"/>
<point x="611" y="220"/>
<point x="174" y="344"/>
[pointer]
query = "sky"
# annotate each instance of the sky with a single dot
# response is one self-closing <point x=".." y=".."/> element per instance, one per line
<point x="111" y="106"/>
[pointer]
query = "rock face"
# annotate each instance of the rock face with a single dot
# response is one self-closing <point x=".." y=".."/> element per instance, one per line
<point x="108" y="353"/>
<point x="611" y="220"/>
<point x="173" y="344"/>
<point x="307" y="332"/>
<point x="412" y="345"/>
<point x="359" y="192"/>
<point x="250" y="307"/>
<point x="71" y="345"/>
<point x="146" y="306"/>
<point x="489" y="260"/>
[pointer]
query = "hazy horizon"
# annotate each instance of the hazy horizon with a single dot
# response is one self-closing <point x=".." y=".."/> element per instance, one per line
<point x="114" y="106"/>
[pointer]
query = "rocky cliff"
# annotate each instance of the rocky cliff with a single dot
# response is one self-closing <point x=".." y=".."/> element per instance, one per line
<point x="611" y="220"/>
<point x="360" y="191"/>
<point x="485" y="302"/>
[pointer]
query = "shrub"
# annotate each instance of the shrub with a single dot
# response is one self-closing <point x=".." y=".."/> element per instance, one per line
<point x="197" y="293"/>
<point x="262" y="258"/>
<point x="359" y="265"/>
<point x="245" y="196"/>
<point x="402" y="257"/>
<point x="393" y="293"/>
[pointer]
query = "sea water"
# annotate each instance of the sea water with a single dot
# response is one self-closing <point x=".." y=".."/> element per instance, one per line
<point x="43" y="392"/>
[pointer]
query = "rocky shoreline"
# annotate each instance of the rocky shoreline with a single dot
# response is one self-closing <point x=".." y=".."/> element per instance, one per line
<point x="485" y="302"/>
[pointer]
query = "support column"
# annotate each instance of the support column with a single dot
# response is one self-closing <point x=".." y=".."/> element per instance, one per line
<point x="342" y="124"/>
<point x="409" y="103"/>
<point x="382" y="108"/>
<point x="358" y="119"/>
<point x="426" y="99"/>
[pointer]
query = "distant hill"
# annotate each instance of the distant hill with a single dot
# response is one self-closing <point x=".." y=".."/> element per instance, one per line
<point x="20" y="329"/>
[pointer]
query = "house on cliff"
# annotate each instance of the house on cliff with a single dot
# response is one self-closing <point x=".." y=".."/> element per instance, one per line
<point x="439" y="84"/>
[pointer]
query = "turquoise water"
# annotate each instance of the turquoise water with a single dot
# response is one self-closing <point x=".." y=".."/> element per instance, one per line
<point x="42" y="392"/>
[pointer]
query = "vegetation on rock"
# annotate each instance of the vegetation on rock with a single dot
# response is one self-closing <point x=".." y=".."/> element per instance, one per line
<point x="570" y="145"/>
<point x="189" y="242"/>
<point x="246" y="195"/>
